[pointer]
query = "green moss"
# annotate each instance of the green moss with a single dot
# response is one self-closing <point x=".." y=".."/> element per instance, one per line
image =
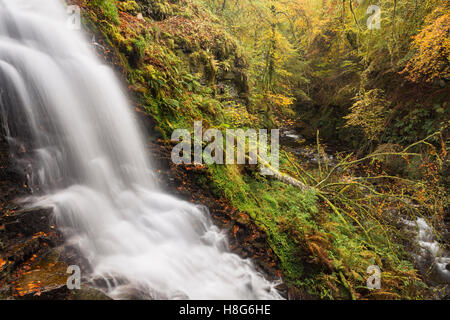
<point x="160" y="9"/>
<point x="268" y="203"/>
<point x="109" y="10"/>
<point x="128" y="6"/>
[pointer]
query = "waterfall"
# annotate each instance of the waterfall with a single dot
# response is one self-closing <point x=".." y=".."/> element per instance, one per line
<point x="90" y="165"/>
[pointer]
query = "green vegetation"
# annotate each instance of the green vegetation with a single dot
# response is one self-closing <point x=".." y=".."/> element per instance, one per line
<point x="108" y="9"/>
<point x="327" y="236"/>
<point x="315" y="65"/>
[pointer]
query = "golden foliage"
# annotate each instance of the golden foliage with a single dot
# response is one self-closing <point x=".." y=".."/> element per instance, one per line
<point x="369" y="112"/>
<point x="432" y="60"/>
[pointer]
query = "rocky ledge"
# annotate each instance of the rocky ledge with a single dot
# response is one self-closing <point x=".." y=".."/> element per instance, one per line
<point x="33" y="263"/>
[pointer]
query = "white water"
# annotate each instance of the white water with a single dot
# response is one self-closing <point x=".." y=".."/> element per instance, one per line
<point x="431" y="257"/>
<point x="91" y="165"/>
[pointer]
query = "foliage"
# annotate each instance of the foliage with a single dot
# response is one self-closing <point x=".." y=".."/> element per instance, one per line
<point x="327" y="237"/>
<point x="432" y="60"/>
<point x="370" y="112"/>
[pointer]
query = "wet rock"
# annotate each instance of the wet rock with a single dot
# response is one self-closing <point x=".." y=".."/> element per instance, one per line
<point x="46" y="279"/>
<point x="28" y="222"/>
<point x="130" y="292"/>
<point x="282" y="288"/>
<point x="20" y="251"/>
<point x="41" y="277"/>
<point x="105" y="283"/>
<point x="88" y="293"/>
<point x="243" y="219"/>
<point x="52" y="293"/>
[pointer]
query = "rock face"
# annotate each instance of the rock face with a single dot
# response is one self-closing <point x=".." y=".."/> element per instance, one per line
<point x="25" y="234"/>
<point x="12" y="182"/>
<point x="27" y="222"/>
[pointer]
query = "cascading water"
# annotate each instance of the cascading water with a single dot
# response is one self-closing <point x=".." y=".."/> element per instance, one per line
<point x="90" y="164"/>
<point x="431" y="258"/>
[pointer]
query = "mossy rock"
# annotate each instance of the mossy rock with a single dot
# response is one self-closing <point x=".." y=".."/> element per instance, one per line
<point x="129" y="6"/>
<point x="158" y="9"/>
